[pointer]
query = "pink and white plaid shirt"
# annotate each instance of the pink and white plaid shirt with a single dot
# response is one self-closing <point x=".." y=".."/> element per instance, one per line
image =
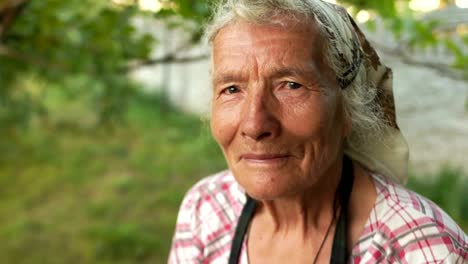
<point x="403" y="227"/>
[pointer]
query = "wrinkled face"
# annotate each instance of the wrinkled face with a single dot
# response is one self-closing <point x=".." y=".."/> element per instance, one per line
<point x="276" y="111"/>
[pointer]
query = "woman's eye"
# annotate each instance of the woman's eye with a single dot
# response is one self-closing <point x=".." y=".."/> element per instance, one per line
<point x="231" y="90"/>
<point x="293" y="85"/>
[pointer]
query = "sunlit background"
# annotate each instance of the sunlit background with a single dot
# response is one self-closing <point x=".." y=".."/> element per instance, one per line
<point x="417" y="5"/>
<point x="104" y="109"/>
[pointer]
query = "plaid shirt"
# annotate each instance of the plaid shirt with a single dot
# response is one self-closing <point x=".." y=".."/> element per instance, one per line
<point x="403" y="227"/>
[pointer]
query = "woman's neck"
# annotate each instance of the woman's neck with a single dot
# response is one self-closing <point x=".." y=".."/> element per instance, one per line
<point x="286" y="228"/>
<point x="310" y="210"/>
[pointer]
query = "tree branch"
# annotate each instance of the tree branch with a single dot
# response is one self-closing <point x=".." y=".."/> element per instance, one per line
<point x="443" y="69"/>
<point x="9" y="11"/>
<point x="10" y="4"/>
<point x="170" y="58"/>
<point x="7" y="52"/>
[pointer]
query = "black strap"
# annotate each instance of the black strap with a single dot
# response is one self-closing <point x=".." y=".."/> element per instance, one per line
<point x="241" y="229"/>
<point x="340" y="251"/>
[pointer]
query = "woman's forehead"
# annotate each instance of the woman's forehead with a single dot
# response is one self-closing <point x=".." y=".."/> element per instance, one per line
<point x="267" y="45"/>
<point x="256" y="31"/>
<point x="243" y="49"/>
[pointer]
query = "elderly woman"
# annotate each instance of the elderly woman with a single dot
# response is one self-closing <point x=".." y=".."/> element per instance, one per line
<point x="303" y="111"/>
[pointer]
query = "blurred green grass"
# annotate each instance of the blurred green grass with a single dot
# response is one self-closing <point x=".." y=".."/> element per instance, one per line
<point x="112" y="196"/>
<point x="101" y="196"/>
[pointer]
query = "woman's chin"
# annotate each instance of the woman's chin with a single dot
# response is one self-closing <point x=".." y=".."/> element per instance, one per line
<point x="267" y="188"/>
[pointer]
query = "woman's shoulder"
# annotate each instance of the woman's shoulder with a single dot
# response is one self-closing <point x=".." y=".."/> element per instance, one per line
<point x="206" y="220"/>
<point x="403" y="207"/>
<point x="404" y="225"/>
<point x="217" y="189"/>
<point x="217" y="199"/>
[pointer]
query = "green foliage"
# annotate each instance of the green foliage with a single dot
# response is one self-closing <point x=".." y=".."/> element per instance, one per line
<point x="97" y="196"/>
<point x="191" y="9"/>
<point x="385" y="8"/>
<point x="447" y="188"/>
<point x="123" y="242"/>
<point x="84" y="46"/>
<point x="410" y="30"/>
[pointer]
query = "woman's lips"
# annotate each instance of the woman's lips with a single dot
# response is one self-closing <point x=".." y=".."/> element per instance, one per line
<point x="264" y="158"/>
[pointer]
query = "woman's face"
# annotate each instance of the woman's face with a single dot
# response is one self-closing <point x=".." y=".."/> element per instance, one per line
<point x="276" y="111"/>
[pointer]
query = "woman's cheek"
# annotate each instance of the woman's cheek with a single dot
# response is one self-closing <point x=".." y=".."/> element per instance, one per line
<point x="306" y="116"/>
<point x="224" y="123"/>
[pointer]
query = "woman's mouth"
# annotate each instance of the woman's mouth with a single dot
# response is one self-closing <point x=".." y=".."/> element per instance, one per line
<point x="264" y="158"/>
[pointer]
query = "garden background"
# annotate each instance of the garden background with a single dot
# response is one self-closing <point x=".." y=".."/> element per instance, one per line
<point x="103" y="123"/>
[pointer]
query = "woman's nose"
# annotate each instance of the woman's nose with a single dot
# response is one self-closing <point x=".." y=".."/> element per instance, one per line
<point x="258" y="120"/>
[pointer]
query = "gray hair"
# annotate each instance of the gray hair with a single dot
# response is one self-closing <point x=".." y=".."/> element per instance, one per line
<point x="342" y="47"/>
